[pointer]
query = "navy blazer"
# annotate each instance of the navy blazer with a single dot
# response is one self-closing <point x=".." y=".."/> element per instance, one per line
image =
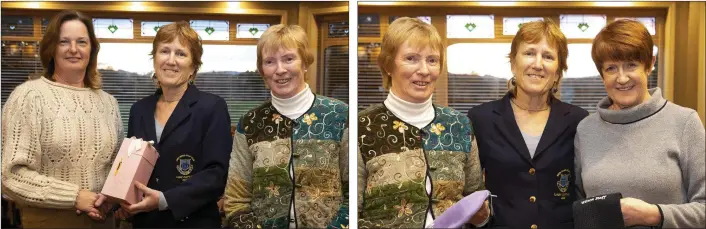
<point x="194" y="150"/>
<point x="535" y="190"/>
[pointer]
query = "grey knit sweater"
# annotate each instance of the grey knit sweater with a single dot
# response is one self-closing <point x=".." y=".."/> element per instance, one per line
<point x="653" y="152"/>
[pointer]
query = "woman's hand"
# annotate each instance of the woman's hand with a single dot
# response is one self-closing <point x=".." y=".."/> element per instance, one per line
<point x="220" y="205"/>
<point x="122" y="214"/>
<point x="149" y="203"/>
<point x="482" y="214"/>
<point x="638" y="212"/>
<point x="86" y="202"/>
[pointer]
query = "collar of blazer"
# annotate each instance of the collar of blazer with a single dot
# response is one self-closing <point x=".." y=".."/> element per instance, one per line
<point x="507" y="125"/>
<point x="180" y="113"/>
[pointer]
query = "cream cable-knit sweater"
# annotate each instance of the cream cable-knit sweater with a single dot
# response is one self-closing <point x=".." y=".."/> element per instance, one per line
<point x="57" y="140"/>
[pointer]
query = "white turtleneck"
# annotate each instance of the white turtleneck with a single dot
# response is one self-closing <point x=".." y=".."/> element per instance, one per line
<point x="418" y="115"/>
<point x="296" y="105"/>
<point x="293" y="108"/>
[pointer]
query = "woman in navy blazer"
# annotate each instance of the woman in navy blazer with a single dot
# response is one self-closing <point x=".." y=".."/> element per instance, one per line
<point x="191" y="130"/>
<point x="526" y="139"/>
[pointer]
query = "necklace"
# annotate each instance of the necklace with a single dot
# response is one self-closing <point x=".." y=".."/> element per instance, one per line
<point x="527" y="109"/>
<point x="169" y="101"/>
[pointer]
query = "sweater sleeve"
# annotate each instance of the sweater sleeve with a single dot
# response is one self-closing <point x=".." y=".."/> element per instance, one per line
<point x="362" y="182"/>
<point x="22" y="155"/>
<point x="472" y="170"/>
<point x="340" y="220"/>
<point x="119" y="131"/>
<point x="691" y="214"/>
<point x="577" y="167"/>
<point x="578" y="180"/>
<point x="238" y="192"/>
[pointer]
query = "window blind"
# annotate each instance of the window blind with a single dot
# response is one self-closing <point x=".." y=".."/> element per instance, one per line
<point x="335" y="79"/>
<point x="19" y="61"/>
<point x="370" y="89"/>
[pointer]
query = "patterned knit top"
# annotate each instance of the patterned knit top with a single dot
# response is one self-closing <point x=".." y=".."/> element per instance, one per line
<point x="395" y="158"/>
<point x="266" y="144"/>
<point x="57" y="140"/>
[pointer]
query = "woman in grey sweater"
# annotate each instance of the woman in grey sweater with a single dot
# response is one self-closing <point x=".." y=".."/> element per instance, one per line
<point x="639" y="144"/>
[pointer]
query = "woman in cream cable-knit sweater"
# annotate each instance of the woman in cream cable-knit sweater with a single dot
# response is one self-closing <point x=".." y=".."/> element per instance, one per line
<point x="60" y="132"/>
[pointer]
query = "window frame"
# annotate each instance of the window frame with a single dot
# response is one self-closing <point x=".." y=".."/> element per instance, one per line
<point x="137" y="19"/>
<point x="660" y="10"/>
<point x="325" y="42"/>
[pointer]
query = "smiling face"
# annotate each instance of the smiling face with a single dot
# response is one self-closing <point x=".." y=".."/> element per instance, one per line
<point x="283" y="72"/>
<point x="626" y="82"/>
<point x="172" y="64"/>
<point x="623" y="54"/>
<point x="535" y="68"/>
<point x="73" y="52"/>
<point x="415" y="72"/>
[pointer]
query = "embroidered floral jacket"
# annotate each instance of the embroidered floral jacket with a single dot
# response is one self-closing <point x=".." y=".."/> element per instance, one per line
<point x="266" y="144"/>
<point x="395" y="157"/>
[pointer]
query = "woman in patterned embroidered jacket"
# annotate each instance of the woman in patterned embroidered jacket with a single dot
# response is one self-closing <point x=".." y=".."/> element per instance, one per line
<point x="415" y="158"/>
<point x="288" y="168"/>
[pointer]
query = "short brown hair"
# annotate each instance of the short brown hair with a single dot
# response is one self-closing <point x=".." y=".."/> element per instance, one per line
<point x="532" y="33"/>
<point x="284" y="36"/>
<point x="622" y="40"/>
<point x="417" y="32"/>
<point x="47" y="47"/>
<point x="187" y="37"/>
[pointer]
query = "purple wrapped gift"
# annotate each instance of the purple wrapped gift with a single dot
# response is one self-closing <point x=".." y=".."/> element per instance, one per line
<point x="461" y="211"/>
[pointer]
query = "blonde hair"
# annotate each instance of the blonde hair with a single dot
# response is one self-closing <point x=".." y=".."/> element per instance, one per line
<point x="417" y="32"/>
<point x="532" y="33"/>
<point x="284" y="36"/>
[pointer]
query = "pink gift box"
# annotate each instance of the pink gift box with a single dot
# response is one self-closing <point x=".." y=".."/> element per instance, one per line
<point x="134" y="162"/>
